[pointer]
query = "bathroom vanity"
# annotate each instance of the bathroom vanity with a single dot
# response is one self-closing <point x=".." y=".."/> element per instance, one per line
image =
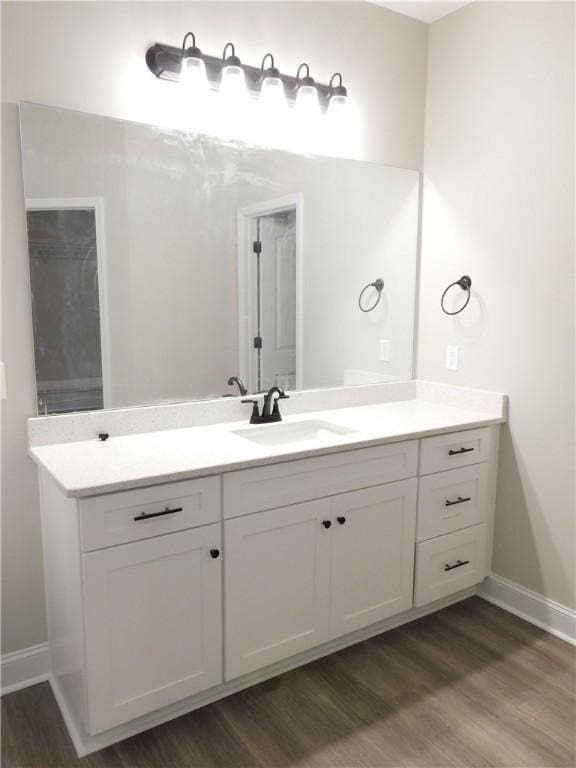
<point x="185" y="564"/>
<point x="189" y="554"/>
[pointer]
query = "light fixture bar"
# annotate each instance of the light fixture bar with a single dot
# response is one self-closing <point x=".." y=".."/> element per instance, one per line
<point x="164" y="61"/>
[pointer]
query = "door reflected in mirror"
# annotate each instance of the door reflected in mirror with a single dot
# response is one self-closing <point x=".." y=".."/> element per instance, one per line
<point x="167" y="266"/>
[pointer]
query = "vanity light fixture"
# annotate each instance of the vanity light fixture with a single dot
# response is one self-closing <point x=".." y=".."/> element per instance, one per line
<point x="192" y="66"/>
<point x="338" y="95"/>
<point x="228" y="74"/>
<point x="271" y="85"/>
<point x="306" y="92"/>
<point x="233" y="82"/>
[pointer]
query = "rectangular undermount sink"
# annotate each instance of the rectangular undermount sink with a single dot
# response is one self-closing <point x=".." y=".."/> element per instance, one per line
<point x="295" y="432"/>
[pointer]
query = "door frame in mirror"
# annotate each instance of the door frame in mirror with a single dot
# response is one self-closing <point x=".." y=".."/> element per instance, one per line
<point x="245" y="216"/>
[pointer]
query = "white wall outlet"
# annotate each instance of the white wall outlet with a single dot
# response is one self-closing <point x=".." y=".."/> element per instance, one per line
<point x="452" y="357"/>
<point x="385" y="350"/>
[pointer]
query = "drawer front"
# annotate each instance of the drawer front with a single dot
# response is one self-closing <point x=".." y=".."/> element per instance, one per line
<point x="118" y="518"/>
<point x="458" y="449"/>
<point x="254" y="490"/>
<point x="449" y="563"/>
<point x="448" y="501"/>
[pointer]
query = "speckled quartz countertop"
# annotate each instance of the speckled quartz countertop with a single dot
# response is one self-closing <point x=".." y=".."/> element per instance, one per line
<point x="91" y="467"/>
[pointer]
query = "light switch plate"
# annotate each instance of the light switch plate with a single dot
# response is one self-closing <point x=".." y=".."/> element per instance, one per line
<point x="452" y="357"/>
<point x="385" y="350"/>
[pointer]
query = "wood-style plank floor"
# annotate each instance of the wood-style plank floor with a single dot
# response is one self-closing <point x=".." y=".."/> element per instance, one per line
<point x="470" y="686"/>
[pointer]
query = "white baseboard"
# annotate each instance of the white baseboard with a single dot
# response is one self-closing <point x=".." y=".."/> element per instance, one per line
<point x="24" y="668"/>
<point x="544" y="613"/>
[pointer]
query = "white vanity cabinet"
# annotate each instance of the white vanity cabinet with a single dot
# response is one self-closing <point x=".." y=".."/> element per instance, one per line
<point x="163" y="598"/>
<point x="372" y="555"/>
<point x="153" y="615"/>
<point x="454" y="512"/>
<point x="277" y="584"/>
<point x="134" y="594"/>
<point x="300" y="575"/>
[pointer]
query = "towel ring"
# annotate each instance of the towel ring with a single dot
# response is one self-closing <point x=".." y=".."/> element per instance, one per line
<point x="379" y="285"/>
<point x="465" y="282"/>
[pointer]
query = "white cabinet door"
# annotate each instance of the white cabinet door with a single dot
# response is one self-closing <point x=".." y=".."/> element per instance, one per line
<point x="277" y="572"/>
<point x="372" y="555"/>
<point x="153" y="612"/>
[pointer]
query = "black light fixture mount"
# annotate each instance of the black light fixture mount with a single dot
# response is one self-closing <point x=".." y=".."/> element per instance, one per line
<point x="165" y="62"/>
<point x="231" y="60"/>
<point x="193" y="52"/>
<point x="271" y="71"/>
<point x="306" y="80"/>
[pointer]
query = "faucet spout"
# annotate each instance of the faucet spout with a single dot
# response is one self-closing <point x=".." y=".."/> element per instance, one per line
<point x="238" y="381"/>
<point x="270" y="409"/>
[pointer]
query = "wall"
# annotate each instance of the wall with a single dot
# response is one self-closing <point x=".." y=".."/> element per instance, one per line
<point x="89" y="56"/>
<point x="499" y="206"/>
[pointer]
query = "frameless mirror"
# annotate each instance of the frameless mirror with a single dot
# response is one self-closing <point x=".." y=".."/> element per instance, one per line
<point x="167" y="266"/>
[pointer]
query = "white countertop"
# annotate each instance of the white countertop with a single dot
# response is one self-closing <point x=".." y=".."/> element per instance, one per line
<point x="92" y="467"/>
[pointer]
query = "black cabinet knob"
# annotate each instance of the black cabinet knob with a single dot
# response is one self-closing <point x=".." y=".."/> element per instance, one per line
<point x="341" y="519"/>
<point x="214" y="553"/>
<point x="326" y="523"/>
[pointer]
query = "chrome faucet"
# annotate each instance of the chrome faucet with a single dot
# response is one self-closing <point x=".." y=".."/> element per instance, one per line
<point x="270" y="407"/>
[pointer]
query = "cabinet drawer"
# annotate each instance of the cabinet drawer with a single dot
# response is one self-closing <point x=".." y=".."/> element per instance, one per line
<point x="254" y="490"/>
<point x="449" y="563"/>
<point x="458" y="449"/>
<point x="448" y="501"/>
<point x="117" y="518"/>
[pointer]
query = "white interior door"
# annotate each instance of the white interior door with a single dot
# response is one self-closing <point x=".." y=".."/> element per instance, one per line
<point x="278" y="300"/>
<point x="372" y="555"/>
<point x="153" y="624"/>
<point x="277" y="574"/>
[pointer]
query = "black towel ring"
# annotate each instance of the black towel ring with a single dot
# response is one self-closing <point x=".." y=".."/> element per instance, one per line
<point x="465" y="282"/>
<point x="379" y="285"/>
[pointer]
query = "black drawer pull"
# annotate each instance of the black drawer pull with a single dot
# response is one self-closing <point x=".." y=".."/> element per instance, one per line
<point x="459" y="500"/>
<point x="148" y="515"/>
<point x="457" y="564"/>
<point x="460" y="450"/>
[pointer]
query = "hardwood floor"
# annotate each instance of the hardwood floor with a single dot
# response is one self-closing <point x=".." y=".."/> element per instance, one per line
<point x="469" y="686"/>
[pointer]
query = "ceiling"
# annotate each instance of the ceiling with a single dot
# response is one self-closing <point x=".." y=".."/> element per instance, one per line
<point x="424" y="10"/>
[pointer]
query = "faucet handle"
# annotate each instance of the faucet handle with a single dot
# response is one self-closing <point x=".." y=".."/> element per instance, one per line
<point x="255" y="417"/>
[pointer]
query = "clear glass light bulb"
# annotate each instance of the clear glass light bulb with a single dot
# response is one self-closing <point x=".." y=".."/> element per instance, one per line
<point x="193" y="75"/>
<point x="307" y="100"/>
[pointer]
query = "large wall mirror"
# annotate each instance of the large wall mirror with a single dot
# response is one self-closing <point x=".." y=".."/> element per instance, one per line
<point x="165" y="266"/>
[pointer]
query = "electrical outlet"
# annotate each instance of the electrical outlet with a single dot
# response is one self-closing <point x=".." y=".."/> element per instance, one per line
<point x="452" y="357"/>
<point x="385" y="350"/>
